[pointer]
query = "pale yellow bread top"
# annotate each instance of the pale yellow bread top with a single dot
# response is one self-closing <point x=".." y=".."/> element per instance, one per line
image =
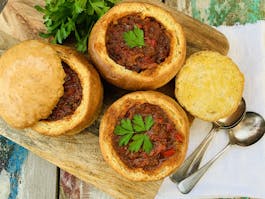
<point x="31" y="83"/>
<point x="209" y="86"/>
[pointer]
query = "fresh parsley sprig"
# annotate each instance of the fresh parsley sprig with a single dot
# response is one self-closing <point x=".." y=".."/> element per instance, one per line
<point x="135" y="129"/>
<point x="65" y="17"/>
<point x="134" y="38"/>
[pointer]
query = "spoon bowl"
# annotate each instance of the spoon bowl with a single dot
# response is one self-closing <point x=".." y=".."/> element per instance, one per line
<point x="249" y="131"/>
<point x="192" y="163"/>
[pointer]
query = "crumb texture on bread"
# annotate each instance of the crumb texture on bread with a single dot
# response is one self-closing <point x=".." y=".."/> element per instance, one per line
<point x="128" y="79"/>
<point x="209" y="86"/>
<point x="31" y="83"/>
<point x="119" y="108"/>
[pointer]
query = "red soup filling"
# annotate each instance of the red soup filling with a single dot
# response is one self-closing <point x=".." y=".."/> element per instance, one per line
<point x="163" y="135"/>
<point x="156" y="43"/>
<point x="71" y="98"/>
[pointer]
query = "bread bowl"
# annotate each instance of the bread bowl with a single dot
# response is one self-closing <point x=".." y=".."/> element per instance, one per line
<point x="140" y="67"/>
<point x="169" y="136"/>
<point x="209" y="86"/>
<point x="49" y="88"/>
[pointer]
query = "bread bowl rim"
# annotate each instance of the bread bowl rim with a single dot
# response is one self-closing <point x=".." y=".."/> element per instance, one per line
<point x="108" y="122"/>
<point x="125" y="78"/>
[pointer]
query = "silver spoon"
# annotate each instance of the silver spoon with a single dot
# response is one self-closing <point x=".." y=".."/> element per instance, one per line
<point x="246" y="133"/>
<point x="192" y="163"/>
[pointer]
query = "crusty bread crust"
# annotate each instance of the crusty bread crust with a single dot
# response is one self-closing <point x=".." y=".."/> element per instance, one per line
<point x="147" y="79"/>
<point x="31" y="83"/>
<point x="120" y="107"/>
<point x="209" y="86"/>
<point x="92" y="97"/>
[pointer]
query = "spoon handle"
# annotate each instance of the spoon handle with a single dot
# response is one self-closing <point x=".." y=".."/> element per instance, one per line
<point x="186" y="185"/>
<point x="192" y="163"/>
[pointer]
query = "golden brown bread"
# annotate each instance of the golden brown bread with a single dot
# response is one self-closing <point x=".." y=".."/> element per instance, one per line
<point x="149" y="78"/>
<point x="92" y="97"/>
<point x="209" y="86"/>
<point x="32" y="83"/>
<point x="106" y="132"/>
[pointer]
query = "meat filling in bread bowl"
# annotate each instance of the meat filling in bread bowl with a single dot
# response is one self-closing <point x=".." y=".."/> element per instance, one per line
<point x="71" y="98"/>
<point x="156" y="43"/>
<point x="163" y="135"/>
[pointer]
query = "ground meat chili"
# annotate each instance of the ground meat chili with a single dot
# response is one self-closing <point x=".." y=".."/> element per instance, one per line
<point x="71" y="98"/>
<point x="154" y="52"/>
<point x="163" y="135"/>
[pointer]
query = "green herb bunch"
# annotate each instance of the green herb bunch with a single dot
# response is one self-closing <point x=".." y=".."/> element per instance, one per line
<point x="135" y="129"/>
<point x="65" y="17"/>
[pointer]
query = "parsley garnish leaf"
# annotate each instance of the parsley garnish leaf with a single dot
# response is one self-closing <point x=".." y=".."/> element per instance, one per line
<point x="125" y="139"/>
<point x="147" y="147"/>
<point x="127" y="124"/>
<point x="149" y="122"/>
<point x="138" y="123"/>
<point x="134" y="38"/>
<point x="136" y="144"/>
<point x="124" y="128"/>
<point x="134" y="130"/>
<point x="120" y="131"/>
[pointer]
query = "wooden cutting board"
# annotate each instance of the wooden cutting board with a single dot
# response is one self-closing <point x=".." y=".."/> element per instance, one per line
<point x="80" y="154"/>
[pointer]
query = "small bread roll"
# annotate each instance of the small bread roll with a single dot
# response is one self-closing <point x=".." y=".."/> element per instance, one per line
<point x="50" y="88"/>
<point x="31" y="83"/>
<point x="209" y="86"/>
<point x="137" y="68"/>
<point x="169" y="136"/>
<point x="90" y="104"/>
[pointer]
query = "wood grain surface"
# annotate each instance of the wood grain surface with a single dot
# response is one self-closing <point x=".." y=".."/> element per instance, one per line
<point x="80" y="154"/>
<point x="39" y="179"/>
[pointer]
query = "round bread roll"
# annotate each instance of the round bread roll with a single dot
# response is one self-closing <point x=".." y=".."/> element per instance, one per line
<point x="63" y="83"/>
<point x="209" y="86"/>
<point x="169" y="136"/>
<point x="137" y="68"/>
<point x="31" y="83"/>
<point x="90" y="104"/>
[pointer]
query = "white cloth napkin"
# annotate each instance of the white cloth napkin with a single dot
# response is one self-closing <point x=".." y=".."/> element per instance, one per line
<point x="241" y="170"/>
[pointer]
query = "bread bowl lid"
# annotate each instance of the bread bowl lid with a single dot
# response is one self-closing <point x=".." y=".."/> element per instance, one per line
<point x="31" y="83"/>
